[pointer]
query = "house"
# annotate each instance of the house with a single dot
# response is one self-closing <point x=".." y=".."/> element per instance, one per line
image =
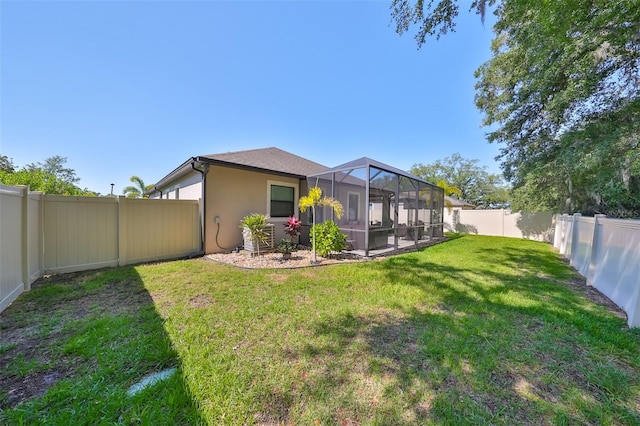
<point x="270" y="181"/>
<point x="453" y="207"/>
<point x="233" y="185"/>
<point x="455" y="204"/>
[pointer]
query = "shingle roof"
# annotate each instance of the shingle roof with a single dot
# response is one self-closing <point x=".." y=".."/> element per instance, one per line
<point x="270" y="159"/>
<point x="457" y="203"/>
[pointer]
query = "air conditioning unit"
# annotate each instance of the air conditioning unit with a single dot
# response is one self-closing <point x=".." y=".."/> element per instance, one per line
<point x="266" y="246"/>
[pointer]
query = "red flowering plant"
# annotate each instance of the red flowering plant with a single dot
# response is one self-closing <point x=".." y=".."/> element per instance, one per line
<point x="292" y="227"/>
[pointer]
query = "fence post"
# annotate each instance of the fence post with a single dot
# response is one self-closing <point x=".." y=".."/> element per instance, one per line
<point x="41" y="235"/>
<point x="24" y="193"/>
<point x="122" y="231"/>
<point x="563" y="234"/>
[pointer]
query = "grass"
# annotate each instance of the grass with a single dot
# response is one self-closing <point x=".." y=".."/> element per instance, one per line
<point x="477" y="330"/>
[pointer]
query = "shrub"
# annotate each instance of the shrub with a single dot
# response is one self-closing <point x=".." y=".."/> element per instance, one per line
<point x="292" y="227"/>
<point x="329" y="238"/>
<point x="286" y="246"/>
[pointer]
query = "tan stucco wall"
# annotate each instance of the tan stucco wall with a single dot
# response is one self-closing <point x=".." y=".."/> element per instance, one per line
<point x="233" y="194"/>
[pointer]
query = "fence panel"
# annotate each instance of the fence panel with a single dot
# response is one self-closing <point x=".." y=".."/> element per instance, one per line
<point x="80" y="233"/>
<point x="56" y="234"/>
<point x="11" y="244"/>
<point x="615" y="269"/>
<point x="538" y="226"/>
<point x="607" y="253"/>
<point x="486" y="222"/>
<point x="158" y="229"/>
<point x="502" y="223"/>
<point x="558" y="236"/>
<point x="510" y="222"/>
<point x="582" y="240"/>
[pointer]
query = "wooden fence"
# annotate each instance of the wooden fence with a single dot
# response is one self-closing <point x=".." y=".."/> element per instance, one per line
<point x="42" y="234"/>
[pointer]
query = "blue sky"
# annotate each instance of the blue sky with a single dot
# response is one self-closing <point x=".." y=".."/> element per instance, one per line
<point x="135" y="88"/>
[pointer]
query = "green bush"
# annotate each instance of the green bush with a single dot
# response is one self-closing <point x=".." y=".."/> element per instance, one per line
<point x="329" y="238"/>
<point x="286" y="246"/>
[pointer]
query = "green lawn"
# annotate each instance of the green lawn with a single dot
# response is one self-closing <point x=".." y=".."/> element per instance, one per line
<point x="476" y="330"/>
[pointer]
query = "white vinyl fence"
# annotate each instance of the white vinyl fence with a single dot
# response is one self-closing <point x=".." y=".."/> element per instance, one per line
<point x="42" y="234"/>
<point x="19" y="261"/>
<point x="607" y="252"/>
<point x="537" y="226"/>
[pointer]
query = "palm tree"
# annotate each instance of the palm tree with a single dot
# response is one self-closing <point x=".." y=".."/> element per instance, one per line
<point x="449" y="190"/>
<point x="312" y="200"/>
<point x="136" y="190"/>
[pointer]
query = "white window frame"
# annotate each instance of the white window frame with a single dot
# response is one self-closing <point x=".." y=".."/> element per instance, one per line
<point x="270" y="183"/>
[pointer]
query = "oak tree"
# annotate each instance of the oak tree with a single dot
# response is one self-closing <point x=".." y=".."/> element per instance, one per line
<point x="561" y="94"/>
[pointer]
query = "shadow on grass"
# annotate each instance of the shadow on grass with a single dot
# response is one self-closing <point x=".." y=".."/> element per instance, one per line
<point x="530" y="283"/>
<point x="486" y="347"/>
<point x="71" y="348"/>
<point x="437" y="367"/>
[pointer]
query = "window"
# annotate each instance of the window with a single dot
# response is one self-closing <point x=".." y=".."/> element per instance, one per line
<point x="282" y="201"/>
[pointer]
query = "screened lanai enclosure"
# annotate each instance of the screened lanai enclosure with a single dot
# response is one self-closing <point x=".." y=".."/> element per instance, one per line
<point x="384" y="208"/>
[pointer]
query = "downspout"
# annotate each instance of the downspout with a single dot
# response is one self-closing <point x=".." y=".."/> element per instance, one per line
<point x="203" y="213"/>
<point x="155" y="188"/>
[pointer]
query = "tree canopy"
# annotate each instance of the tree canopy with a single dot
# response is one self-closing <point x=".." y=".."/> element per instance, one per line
<point x="466" y="180"/>
<point x="50" y="177"/>
<point x="6" y="164"/>
<point x="433" y="18"/>
<point x="561" y="94"/>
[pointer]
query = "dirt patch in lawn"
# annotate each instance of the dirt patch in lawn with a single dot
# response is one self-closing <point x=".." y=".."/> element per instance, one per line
<point x="579" y="284"/>
<point x="33" y="330"/>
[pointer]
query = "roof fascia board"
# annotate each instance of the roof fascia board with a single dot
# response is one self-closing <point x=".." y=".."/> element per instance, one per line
<point x="182" y="170"/>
